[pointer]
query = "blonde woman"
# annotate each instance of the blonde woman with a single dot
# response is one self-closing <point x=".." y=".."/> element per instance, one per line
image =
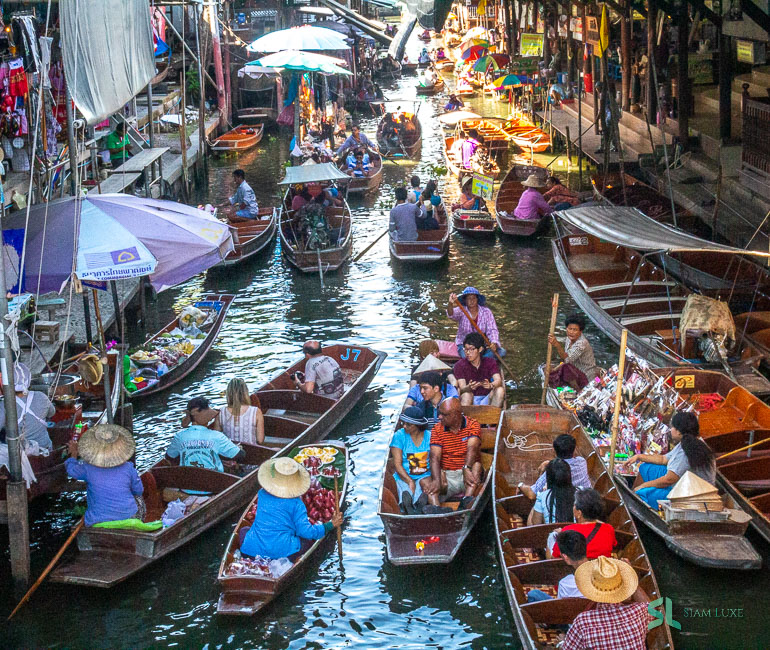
<point x="239" y="420"/>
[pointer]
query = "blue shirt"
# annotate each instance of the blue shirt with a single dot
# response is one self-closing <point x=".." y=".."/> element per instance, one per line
<point x="416" y="396"/>
<point x="541" y="506"/>
<point x="110" y="490"/>
<point x="416" y="460"/>
<point x="197" y="446"/>
<point x="352" y="143"/>
<point x="278" y="527"/>
<point x="244" y="195"/>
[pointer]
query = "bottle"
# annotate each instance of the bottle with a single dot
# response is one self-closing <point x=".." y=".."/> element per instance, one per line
<point x="78" y="432"/>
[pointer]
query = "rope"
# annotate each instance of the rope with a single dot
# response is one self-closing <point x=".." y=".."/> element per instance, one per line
<point x="513" y="441"/>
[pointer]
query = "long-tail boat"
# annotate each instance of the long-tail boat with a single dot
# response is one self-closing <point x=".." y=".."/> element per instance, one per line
<point x="241" y="138"/>
<point x="454" y="161"/>
<point x="490" y="129"/>
<point x="527" y="136"/>
<point x="364" y="184"/>
<point x="315" y="258"/>
<point x="508" y="197"/>
<point x="599" y="261"/>
<point x="246" y="594"/>
<point x="215" y="302"/>
<point x="474" y="223"/>
<point x="430" y="89"/>
<point x="89" y="408"/>
<point x="105" y="557"/>
<point x="521" y="548"/>
<point x="401" y="142"/>
<point x="252" y="237"/>
<point x="402" y="532"/>
<point x="431" y="247"/>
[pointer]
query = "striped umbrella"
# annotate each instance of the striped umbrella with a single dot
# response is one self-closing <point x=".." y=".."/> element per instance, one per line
<point x="474" y="52"/>
<point x="507" y="81"/>
<point x="496" y="61"/>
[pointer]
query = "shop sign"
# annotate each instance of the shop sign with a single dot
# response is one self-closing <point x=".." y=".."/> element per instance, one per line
<point x="563" y="23"/>
<point x="482" y="186"/>
<point x="576" y="26"/>
<point x="531" y="45"/>
<point x="592" y="31"/>
<point x="540" y="27"/>
<point x="752" y="52"/>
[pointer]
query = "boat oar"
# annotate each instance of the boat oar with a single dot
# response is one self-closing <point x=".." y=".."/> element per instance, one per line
<point x="366" y="250"/>
<point x="618" y="399"/>
<point x="48" y="569"/>
<point x="554" y="311"/>
<point x="487" y="342"/>
<point x="735" y="451"/>
<point x="337" y="510"/>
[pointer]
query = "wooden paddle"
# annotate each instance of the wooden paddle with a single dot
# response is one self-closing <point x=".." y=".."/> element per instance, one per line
<point x="48" y="569"/>
<point x="618" y="399"/>
<point x="487" y="342"/>
<point x="554" y="311"/>
<point x="337" y="510"/>
<point x="735" y="451"/>
<point x="366" y="250"/>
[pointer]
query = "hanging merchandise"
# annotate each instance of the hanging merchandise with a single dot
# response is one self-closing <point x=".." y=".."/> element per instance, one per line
<point x="17" y="85"/>
<point x="7" y="148"/>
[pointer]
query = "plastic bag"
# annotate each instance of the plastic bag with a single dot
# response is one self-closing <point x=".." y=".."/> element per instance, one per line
<point x="279" y="567"/>
<point x="174" y="512"/>
<point x="191" y="315"/>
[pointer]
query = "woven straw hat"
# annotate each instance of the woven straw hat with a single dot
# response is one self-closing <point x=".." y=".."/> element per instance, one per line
<point x="106" y="445"/>
<point x="533" y="180"/>
<point x="432" y="364"/>
<point x="284" y="478"/>
<point x="606" y="580"/>
<point x="691" y="486"/>
<point x="90" y="369"/>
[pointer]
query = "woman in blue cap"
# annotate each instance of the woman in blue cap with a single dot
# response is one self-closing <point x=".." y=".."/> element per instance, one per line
<point x="410" y="449"/>
<point x="474" y="303"/>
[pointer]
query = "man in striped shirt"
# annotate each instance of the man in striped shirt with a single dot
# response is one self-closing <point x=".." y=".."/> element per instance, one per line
<point x="564" y="446"/>
<point x="455" y="461"/>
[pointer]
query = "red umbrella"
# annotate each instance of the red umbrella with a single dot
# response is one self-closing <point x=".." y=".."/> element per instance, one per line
<point x="474" y="52"/>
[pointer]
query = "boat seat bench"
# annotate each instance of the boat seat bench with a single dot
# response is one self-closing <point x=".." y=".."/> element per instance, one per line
<point x="625" y="285"/>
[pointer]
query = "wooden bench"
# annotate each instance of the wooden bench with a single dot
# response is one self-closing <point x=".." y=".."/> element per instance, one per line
<point x="50" y="305"/>
<point x="47" y="330"/>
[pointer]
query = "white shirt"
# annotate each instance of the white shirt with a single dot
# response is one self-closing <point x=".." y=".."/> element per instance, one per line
<point x="568" y="588"/>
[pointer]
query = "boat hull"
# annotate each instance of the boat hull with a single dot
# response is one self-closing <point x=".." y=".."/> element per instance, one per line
<point x="241" y="138"/>
<point x="423" y="251"/>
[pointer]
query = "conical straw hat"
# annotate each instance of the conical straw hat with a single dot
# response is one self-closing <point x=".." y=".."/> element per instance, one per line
<point x="691" y="485"/>
<point x="284" y="478"/>
<point x="432" y="364"/>
<point x="606" y="580"/>
<point x="106" y="445"/>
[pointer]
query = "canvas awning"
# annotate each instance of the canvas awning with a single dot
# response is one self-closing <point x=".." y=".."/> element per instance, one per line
<point x="313" y="174"/>
<point x="398" y="44"/>
<point x="631" y="228"/>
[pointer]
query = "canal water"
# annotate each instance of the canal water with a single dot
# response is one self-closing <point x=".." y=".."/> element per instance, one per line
<point x="365" y="601"/>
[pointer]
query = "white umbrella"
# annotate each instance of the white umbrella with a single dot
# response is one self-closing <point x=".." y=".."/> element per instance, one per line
<point x="305" y="37"/>
<point x="300" y="62"/>
<point x="453" y="117"/>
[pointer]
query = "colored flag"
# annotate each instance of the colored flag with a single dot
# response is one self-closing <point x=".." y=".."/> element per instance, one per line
<point x="604" y="30"/>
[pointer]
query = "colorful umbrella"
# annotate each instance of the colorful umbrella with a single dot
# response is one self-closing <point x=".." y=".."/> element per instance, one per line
<point x="474" y="52"/>
<point x="305" y="37"/>
<point x="507" y="81"/>
<point x="496" y="61"/>
<point x="301" y="62"/>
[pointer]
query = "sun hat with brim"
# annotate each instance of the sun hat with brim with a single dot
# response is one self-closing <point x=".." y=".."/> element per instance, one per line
<point x="106" y="445"/>
<point x="284" y="478"/>
<point x="606" y="580"/>
<point x="472" y="291"/>
<point x="533" y="180"/>
<point x="431" y="364"/>
<point x="414" y="415"/>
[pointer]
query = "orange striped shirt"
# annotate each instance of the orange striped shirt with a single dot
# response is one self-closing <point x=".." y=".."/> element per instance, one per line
<point x="454" y="445"/>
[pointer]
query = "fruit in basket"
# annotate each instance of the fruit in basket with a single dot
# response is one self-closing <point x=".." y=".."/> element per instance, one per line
<point x="320" y="504"/>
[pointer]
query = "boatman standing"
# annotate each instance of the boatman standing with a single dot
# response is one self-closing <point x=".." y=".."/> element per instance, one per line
<point x="244" y="200"/>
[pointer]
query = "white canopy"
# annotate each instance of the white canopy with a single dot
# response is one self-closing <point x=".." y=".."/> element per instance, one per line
<point x="313" y="174"/>
<point x="453" y="117"/>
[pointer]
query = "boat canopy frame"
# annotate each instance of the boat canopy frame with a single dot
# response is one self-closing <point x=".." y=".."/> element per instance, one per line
<point x="319" y="173"/>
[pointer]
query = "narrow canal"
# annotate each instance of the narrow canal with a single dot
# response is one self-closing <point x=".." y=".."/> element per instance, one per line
<point x="367" y="602"/>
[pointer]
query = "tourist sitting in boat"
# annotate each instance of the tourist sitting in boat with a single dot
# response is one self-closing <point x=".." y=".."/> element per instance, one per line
<point x="33" y="408"/>
<point x="531" y="204"/>
<point x="455" y="459"/>
<point x="403" y="218"/>
<point x="113" y="487"/>
<point x="620" y="617"/>
<point x="239" y="420"/>
<point x="430" y="353"/>
<point x="410" y="449"/>
<point x="356" y="140"/>
<point x="424" y="56"/>
<point x="600" y="537"/>
<point x="474" y="303"/>
<point x="440" y="54"/>
<point x="281" y="527"/>
<point x="431" y="76"/>
<point x="199" y="446"/>
<point x="433" y="389"/>
<point x="659" y="472"/>
<point x="244" y="200"/>
<point x="478" y="377"/>
<point x="301" y="197"/>
<point x="558" y="196"/>
<point x="564" y="446"/>
<point x="322" y="376"/>
<point x="414" y="192"/>
<point x="554" y="503"/>
<point x="454" y="103"/>
<point x="199" y="411"/>
<point x="578" y="367"/>
<point x="431" y="206"/>
<point x="359" y="164"/>
<point x="468" y="200"/>
<point x="573" y="551"/>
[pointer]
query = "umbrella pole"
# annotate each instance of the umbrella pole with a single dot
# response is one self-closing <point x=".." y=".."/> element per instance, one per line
<point x="104" y="361"/>
<point x="618" y="399"/>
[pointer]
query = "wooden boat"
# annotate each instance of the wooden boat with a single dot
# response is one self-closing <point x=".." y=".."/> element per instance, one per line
<point x="495" y="139"/>
<point x="452" y="528"/>
<point x="444" y="64"/>
<point x="310" y="260"/>
<point x="455" y="164"/>
<point x="527" y="136"/>
<point x="520" y="547"/>
<point x="617" y="289"/>
<point x="434" y="89"/>
<point x="241" y="138"/>
<point x="245" y="595"/>
<point x="507" y="199"/>
<point x="367" y="183"/>
<point x="432" y="246"/>
<point x="425" y="37"/>
<point x="90" y="409"/>
<point x="220" y="303"/>
<point x="252" y="237"/>
<point x="474" y="223"/>
<point x="464" y="89"/>
<point x="411" y="68"/>
<point x="407" y="143"/>
<point x="105" y="557"/>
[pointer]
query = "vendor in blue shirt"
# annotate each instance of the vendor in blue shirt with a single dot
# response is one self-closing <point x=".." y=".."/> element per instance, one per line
<point x="244" y="201"/>
<point x="410" y="450"/>
<point x="281" y="521"/>
<point x="356" y="140"/>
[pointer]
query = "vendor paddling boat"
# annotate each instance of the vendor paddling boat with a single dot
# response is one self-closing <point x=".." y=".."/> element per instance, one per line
<point x="318" y="242"/>
<point x="247" y="584"/>
<point x="521" y="548"/>
<point x="439" y="535"/>
<point x="507" y="199"/>
<point x="364" y="184"/>
<point x="399" y="133"/>
<point x="480" y="162"/>
<point x="106" y="556"/>
<point x="180" y="346"/>
<point x="241" y="138"/>
<point x="474" y="223"/>
<point x="252" y="237"/>
<point x="602" y="256"/>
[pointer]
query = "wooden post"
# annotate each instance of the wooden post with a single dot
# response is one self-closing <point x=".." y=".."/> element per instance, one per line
<point x="570" y="49"/>
<point x="618" y="400"/>
<point x="183" y="132"/>
<point x="151" y="131"/>
<point x="569" y="148"/>
<point x="202" y="86"/>
<point x="651" y="99"/>
<point x="87" y="318"/>
<point x="71" y="142"/>
<point x="218" y="71"/>
<point x="551" y="329"/>
<point x="228" y="72"/>
<point x="625" y="53"/>
<point x="725" y="85"/>
<point x="683" y="79"/>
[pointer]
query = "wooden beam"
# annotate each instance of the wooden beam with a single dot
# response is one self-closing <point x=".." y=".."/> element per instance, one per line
<point x="707" y="13"/>
<point x="756" y="14"/>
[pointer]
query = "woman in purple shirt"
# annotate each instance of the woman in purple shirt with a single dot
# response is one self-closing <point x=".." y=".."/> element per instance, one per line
<point x="114" y="489"/>
<point x="474" y="303"/>
<point x="532" y="205"/>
